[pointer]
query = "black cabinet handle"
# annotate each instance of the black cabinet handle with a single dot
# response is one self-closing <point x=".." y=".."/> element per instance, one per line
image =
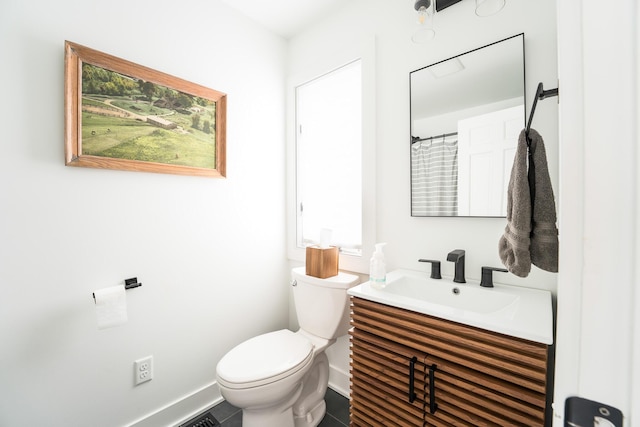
<point x="433" y="406"/>
<point x="412" y="370"/>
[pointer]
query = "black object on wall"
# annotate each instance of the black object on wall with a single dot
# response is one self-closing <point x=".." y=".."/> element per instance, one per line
<point x="443" y="4"/>
<point x="583" y="412"/>
<point x="438" y="4"/>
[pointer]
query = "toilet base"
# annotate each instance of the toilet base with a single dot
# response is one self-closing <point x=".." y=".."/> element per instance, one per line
<point x="303" y="408"/>
<point x="293" y="401"/>
<point x="313" y="417"/>
<point x="280" y="415"/>
<point x="310" y="407"/>
<point x="267" y="418"/>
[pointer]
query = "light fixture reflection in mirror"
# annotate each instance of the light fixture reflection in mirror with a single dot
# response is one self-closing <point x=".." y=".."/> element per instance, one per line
<point x="425" y="31"/>
<point x="466" y="113"/>
<point x="488" y="7"/>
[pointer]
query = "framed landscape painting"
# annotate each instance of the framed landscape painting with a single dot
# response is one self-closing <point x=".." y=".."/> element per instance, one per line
<point x="121" y="115"/>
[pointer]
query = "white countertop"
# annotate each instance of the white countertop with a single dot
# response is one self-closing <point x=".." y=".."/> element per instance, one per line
<point x="511" y="310"/>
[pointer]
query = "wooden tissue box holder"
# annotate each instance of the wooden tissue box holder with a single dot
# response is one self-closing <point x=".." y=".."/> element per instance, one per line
<point x="322" y="262"/>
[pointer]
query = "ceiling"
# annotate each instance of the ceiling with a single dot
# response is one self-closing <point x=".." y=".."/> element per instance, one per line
<point x="285" y="17"/>
<point x="489" y="75"/>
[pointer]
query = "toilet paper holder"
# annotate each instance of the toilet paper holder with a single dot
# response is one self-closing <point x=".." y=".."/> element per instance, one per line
<point x="131" y="283"/>
<point x="128" y="284"/>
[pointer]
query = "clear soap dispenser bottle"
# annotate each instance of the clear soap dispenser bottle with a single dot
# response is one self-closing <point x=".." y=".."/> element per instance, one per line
<point x="377" y="268"/>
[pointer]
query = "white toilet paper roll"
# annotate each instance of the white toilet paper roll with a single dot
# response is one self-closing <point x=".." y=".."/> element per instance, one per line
<point x="111" y="306"/>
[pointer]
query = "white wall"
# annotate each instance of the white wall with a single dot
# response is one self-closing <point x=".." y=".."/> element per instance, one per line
<point x="457" y="30"/>
<point x="210" y="253"/>
<point x="201" y="247"/>
<point x="390" y="23"/>
<point x="448" y="122"/>
<point x="598" y="330"/>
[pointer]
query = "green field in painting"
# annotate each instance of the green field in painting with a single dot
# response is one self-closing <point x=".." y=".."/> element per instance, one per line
<point x="131" y="139"/>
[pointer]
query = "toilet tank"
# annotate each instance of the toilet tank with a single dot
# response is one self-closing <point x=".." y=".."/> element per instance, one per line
<point x="322" y="305"/>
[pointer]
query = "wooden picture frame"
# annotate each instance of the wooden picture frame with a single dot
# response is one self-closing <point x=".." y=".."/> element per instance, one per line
<point x="121" y="115"/>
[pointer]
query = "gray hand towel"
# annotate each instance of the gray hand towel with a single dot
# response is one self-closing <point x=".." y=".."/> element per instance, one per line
<point x="544" y="234"/>
<point x="513" y="246"/>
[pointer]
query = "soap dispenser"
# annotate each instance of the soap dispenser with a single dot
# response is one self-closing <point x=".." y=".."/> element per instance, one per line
<point x="377" y="268"/>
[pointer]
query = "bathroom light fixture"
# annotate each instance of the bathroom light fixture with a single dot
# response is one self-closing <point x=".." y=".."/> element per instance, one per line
<point x="425" y="31"/>
<point x="426" y="12"/>
<point x="488" y="7"/>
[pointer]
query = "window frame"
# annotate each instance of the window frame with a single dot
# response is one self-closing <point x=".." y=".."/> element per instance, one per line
<point x="363" y="50"/>
<point x="301" y="240"/>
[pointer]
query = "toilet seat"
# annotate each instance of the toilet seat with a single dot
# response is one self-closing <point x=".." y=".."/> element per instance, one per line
<point x="264" y="359"/>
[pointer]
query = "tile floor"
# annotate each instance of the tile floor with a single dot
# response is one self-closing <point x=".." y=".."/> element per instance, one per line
<point x="337" y="412"/>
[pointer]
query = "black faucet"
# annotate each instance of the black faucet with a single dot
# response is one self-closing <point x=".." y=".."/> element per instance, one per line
<point x="457" y="257"/>
<point x="487" y="276"/>
<point x="435" y="268"/>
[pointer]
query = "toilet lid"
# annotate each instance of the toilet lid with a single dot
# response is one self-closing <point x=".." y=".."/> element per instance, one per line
<point x="269" y="356"/>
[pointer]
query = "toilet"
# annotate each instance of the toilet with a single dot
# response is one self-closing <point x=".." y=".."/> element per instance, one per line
<point x="279" y="379"/>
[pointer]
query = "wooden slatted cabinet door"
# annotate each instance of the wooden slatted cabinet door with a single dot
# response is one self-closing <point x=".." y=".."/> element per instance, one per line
<point x="381" y="384"/>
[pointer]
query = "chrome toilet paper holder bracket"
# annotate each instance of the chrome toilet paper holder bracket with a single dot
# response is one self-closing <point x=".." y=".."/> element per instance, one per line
<point x="128" y="284"/>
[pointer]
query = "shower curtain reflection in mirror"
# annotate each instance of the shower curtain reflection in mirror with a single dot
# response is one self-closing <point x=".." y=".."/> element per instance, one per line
<point x="434" y="176"/>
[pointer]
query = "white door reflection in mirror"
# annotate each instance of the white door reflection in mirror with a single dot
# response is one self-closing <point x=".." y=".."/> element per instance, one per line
<point x="486" y="148"/>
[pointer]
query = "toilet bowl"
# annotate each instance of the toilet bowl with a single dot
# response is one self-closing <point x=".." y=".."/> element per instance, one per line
<point x="279" y="379"/>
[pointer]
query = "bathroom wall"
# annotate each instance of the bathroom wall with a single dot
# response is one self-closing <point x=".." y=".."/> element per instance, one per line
<point x="598" y="324"/>
<point x="458" y="30"/>
<point x="209" y="252"/>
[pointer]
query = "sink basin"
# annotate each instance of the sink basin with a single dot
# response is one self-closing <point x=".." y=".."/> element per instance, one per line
<point x="452" y="295"/>
<point x="511" y="310"/>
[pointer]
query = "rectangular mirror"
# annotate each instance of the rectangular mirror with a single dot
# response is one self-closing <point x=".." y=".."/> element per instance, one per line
<point x="466" y="114"/>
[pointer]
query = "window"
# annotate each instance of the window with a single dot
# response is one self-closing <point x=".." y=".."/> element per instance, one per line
<point x="329" y="159"/>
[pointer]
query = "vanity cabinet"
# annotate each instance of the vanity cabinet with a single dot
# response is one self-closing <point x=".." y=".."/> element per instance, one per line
<point x="411" y="369"/>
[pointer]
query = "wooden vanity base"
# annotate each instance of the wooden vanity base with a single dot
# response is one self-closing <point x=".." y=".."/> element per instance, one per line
<point x="480" y="378"/>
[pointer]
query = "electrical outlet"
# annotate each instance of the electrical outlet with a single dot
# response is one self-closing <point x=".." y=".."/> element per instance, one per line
<point x="143" y="370"/>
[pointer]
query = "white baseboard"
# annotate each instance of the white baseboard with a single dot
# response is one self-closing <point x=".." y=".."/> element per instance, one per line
<point x="339" y="380"/>
<point x="182" y="409"/>
<point x="189" y="406"/>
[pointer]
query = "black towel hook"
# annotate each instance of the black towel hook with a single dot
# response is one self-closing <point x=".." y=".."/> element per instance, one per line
<point x="531" y="173"/>
<point x="540" y="94"/>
